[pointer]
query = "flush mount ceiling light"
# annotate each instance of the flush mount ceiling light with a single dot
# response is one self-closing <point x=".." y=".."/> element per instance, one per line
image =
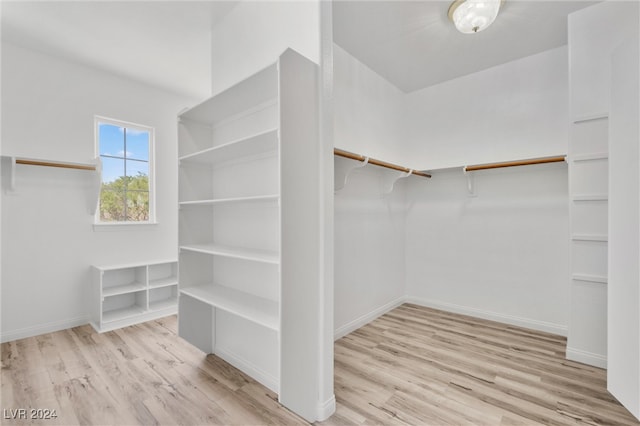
<point x="472" y="16"/>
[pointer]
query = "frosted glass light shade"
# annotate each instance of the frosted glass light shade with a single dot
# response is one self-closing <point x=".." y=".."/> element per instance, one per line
<point x="472" y="16"/>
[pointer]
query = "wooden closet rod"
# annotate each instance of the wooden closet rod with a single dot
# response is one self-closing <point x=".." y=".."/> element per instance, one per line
<point x="54" y="164"/>
<point x="515" y="163"/>
<point x="358" y="157"/>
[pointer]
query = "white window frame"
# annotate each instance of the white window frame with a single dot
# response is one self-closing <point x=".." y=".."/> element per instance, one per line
<point x="97" y="223"/>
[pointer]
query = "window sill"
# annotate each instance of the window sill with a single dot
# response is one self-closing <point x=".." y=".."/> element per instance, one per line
<point x="124" y="226"/>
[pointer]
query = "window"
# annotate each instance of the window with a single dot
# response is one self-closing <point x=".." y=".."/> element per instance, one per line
<point x="126" y="152"/>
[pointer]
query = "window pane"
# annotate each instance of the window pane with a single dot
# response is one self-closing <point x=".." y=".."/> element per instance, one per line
<point x="111" y="140"/>
<point x="137" y="144"/>
<point x="112" y="171"/>
<point x="137" y="205"/>
<point x="138" y="175"/>
<point x="111" y="205"/>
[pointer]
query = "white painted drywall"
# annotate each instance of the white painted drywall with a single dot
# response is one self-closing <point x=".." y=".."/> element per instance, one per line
<point x="48" y="242"/>
<point x="511" y="111"/>
<point x="502" y="255"/>
<point x="368" y="110"/>
<point x="623" y="338"/>
<point x="593" y="32"/>
<point x="255" y="33"/>
<point x="369" y="227"/>
<point x="369" y="249"/>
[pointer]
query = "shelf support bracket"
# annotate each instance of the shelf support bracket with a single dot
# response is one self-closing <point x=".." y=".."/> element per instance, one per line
<point x="389" y="181"/>
<point x="471" y="184"/>
<point x="8" y="174"/>
<point x="343" y="168"/>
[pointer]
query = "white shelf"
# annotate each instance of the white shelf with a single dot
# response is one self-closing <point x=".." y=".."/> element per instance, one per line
<point x="235" y="252"/>
<point x="250" y="307"/>
<point x="590" y="278"/>
<point x="120" y="314"/>
<point x="163" y="304"/>
<point x="590" y="117"/>
<point x="122" y="289"/>
<point x="259" y="89"/>
<point x="245" y="147"/>
<point x="590" y="157"/>
<point x="121" y="293"/>
<point x="257" y="198"/>
<point x="131" y="265"/>
<point x="592" y="197"/>
<point x="163" y="282"/>
<point x="589" y="237"/>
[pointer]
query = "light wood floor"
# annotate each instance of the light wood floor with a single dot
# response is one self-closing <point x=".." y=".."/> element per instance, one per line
<point x="411" y="366"/>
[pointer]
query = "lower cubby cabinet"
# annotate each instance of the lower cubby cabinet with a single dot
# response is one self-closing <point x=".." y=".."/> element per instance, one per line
<point x="124" y="295"/>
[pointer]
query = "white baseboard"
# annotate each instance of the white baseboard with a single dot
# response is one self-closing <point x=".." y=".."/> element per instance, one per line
<point x="36" y="330"/>
<point x="326" y="409"/>
<point x="546" y="327"/>
<point x="585" y="357"/>
<point x="242" y="364"/>
<point x="367" y="318"/>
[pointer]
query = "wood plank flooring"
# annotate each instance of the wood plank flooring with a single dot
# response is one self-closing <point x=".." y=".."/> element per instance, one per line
<point x="414" y="365"/>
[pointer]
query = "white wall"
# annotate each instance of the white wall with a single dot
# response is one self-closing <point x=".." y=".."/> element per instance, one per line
<point x="369" y="263"/>
<point x="369" y="227"/>
<point x="368" y="110"/>
<point x="511" y="111"/>
<point x="255" y="33"/>
<point x="502" y="255"/>
<point x="48" y="242"/>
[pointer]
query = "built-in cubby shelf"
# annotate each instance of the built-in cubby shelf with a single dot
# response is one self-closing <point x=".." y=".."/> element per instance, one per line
<point x="128" y="294"/>
<point x="589" y="237"/>
<point x="590" y="197"/>
<point x="590" y="157"/>
<point x="245" y="97"/>
<point x="590" y="278"/>
<point x="248" y="166"/>
<point x="234" y="252"/>
<point x="258" y="198"/>
<point x="256" y="309"/>
<point x="245" y="147"/>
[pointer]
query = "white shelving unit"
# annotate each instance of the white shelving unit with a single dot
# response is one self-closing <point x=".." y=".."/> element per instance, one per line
<point x="248" y="240"/>
<point x="129" y="294"/>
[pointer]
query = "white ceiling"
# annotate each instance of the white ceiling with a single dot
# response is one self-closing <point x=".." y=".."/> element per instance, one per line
<point x="163" y="43"/>
<point x="414" y="45"/>
<point x="168" y="43"/>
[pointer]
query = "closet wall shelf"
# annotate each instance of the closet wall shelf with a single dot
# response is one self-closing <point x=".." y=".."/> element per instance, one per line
<point x="249" y="146"/>
<point x="590" y="197"/>
<point x="248" y="306"/>
<point x="590" y="157"/>
<point x="589" y="278"/>
<point x="590" y="117"/>
<point x="234" y="252"/>
<point x="257" y="90"/>
<point x="589" y="237"/>
<point x="257" y="198"/>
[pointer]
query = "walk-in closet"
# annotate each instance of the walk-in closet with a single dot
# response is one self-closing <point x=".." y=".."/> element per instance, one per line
<point x="320" y="212"/>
